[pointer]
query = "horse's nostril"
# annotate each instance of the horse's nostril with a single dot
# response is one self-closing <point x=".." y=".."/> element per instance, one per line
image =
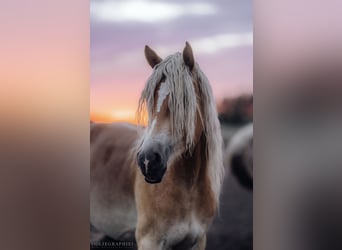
<point x="157" y="157"/>
<point x="140" y="159"/>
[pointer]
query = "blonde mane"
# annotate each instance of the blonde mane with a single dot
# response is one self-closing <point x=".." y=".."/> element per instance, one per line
<point x="183" y="103"/>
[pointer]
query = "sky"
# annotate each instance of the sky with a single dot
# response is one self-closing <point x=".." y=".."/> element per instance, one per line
<point x="219" y="31"/>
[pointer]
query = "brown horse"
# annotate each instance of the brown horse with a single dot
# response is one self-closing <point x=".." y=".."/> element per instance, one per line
<point x="163" y="181"/>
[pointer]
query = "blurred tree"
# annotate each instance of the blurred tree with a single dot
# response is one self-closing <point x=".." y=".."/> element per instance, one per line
<point x="237" y="111"/>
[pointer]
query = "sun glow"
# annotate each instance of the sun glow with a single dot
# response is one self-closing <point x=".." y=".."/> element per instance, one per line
<point x="123" y="114"/>
<point x="119" y="115"/>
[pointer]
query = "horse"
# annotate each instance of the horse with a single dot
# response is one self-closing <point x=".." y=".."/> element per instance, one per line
<point x="239" y="155"/>
<point x="161" y="182"/>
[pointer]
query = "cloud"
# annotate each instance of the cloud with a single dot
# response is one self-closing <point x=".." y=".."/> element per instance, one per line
<point x="208" y="45"/>
<point x="146" y="11"/>
<point x="213" y="44"/>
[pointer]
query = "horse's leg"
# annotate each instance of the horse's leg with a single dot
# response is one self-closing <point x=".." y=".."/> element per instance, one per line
<point x="96" y="235"/>
<point x="148" y="242"/>
<point x="200" y="244"/>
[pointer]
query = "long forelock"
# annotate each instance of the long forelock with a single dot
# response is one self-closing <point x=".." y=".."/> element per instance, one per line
<point x="182" y="100"/>
<point x="183" y="103"/>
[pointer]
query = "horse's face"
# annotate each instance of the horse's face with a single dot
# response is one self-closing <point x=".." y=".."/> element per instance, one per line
<point x="159" y="147"/>
<point x="157" y="143"/>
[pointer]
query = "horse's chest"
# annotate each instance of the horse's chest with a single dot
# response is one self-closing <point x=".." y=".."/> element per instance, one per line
<point x="185" y="233"/>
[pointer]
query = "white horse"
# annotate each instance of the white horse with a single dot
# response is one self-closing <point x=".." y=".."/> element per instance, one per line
<point x="163" y="181"/>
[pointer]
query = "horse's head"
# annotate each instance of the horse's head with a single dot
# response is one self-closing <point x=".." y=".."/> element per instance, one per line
<point x="174" y="116"/>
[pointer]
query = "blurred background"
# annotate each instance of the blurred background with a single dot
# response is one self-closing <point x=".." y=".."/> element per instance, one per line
<point x="221" y="35"/>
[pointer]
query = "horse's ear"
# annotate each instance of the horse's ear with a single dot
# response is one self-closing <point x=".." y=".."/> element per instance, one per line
<point x="188" y="56"/>
<point x="152" y="58"/>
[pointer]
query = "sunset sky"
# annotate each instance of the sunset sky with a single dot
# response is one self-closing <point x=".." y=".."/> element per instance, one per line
<point x="220" y="33"/>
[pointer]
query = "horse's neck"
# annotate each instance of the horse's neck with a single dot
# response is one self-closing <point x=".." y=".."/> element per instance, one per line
<point x="193" y="170"/>
<point x="192" y="176"/>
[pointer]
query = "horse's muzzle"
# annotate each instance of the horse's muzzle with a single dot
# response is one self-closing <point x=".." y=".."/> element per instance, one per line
<point x="152" y="166"/>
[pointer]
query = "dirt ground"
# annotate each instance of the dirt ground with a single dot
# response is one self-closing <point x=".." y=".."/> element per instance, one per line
<point x="233" y="227"/>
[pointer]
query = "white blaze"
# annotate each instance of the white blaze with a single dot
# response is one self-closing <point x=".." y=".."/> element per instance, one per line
<point x="162" y="93"/>
<point x="146" y="164"/>
<point x="148" y="133"/>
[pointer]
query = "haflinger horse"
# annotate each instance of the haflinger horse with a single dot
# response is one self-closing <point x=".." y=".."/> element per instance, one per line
<point x="239" y="156"/>
<point x="164" y="181"/>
